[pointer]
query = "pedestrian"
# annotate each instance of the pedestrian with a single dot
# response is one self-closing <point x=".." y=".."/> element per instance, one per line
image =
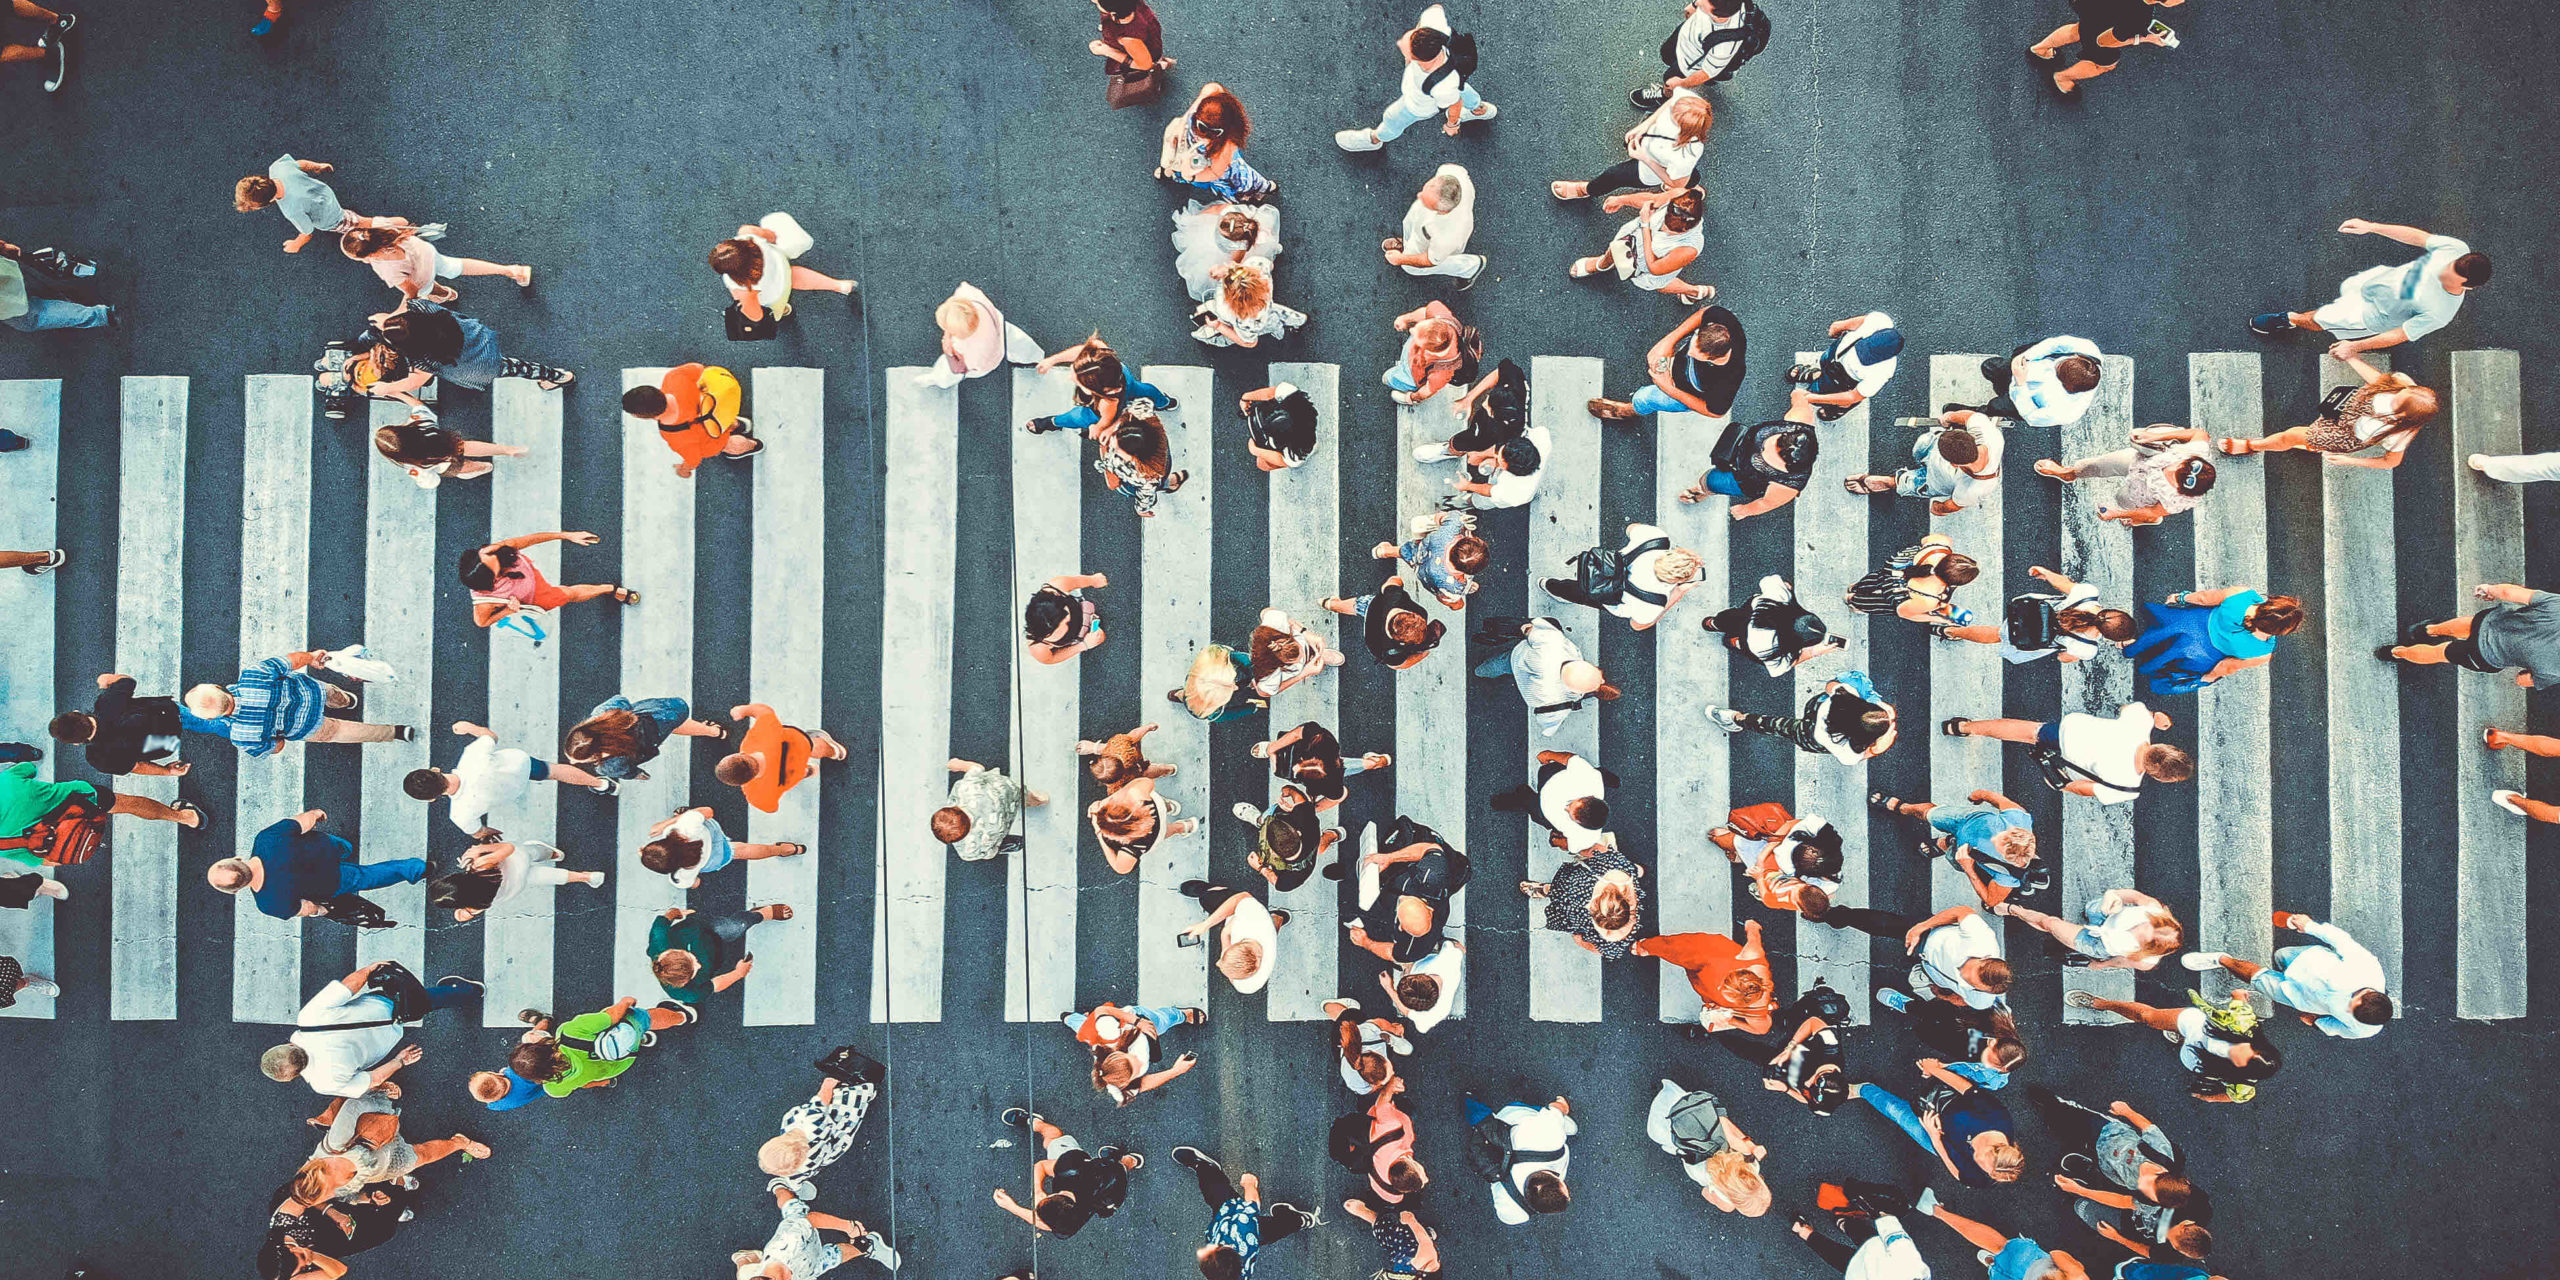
<point x="622" y="734"/>
<point x="1283" y="654"/>
<point x="1224" y="234"/>
<point x="1438" y="65"/>
<point x="592" y="1050"/>
<point x="1404" y="894"/>
<point x="1501" y="476"/>
<point x="773" y="757"/>
<point x="1846" y="719"/>
<point x="2150" y="1191"/>
<point x="15" y="980"/>
<point x="1495" y="409"/>
<point x="2517" y="802"/>
<point x="1595" y="899"/>
<point x="2007" y="1257"/>
<point x="1982" y="1045"/>
<point x="2065" y="624"/>
<point x="1132" y="820"/>
<point x="1870" y="1215"/>
<point x="430" y="454"/>
<point x="1772" y="628"/>
<point x="1918" y="583"/>
<point x="503" y="1089"/>
<point x="2044" y="384"/>
<point x="1639" y="582"/>
<point x="1662" y="152"/>
<point x="1992" y="842"/>
<point x="415" y="268"/>
<point x="279" y="701"/>
<point x="976" y="338"/>
<point x="2385" y="412"/>
<point x="689" y="845"/>
<point x="1445" y="553"/>
<point x="2105" y="758"/>
<point x="1565" y="794"/>
<point x="1955" y="957"/>
<point x="985" y="807"/>
<point x="1289" y="838"/>
<point x="1393" y="624"/>
<point x="2223" y="1045"/>
<point x="1864" y="352"/>
<point x="1425" y="990"/>
<point x="1126" y="1044"/>
<point x="1714" y="39"/>
<point x="1437" y="226"/>
<point x="1241" y="312"/>
<point x="760" y="266"/>
<point x="1132" y="51"/>
<point x="1362" y="1045"/>
<point x="1966" y="1126"/>
<point x="505" y="581"/>
<point x="1135" y="459"/>
<point x="1714" y="1151"/>
<point x="1788" y="863"/>
<point x="347" y="1037"/>
<point x="314" y="1245"/>
<point x="1955" y="463"/>
<point x="1123" y="757"/>
<point x="293" y="187"/>
<point x="2331" y="981"/>
<point x="423" y="340"/>
<point x="1238" y="1228"/>
<point x="1377" y="1143"/>
<point x="20" y="889"/>
<point x="698" y="409"/>
<point x="1059" y="622"/>
<point x="797" y="1252"/>
<point x="1309" y="756"/>
<point x="1248" y="937"/>
<point x="2119" y="929"/>
<point x="1696" y="368"/>
<point x="1764" y="464"/>
<point x="2520" y="628"/>
<point x="1412" y="1249"/>
<point x="695" y="955"/>
<point x="1733" y="979"/>
<point x="1280" y="426"/>
<point x="1069" y="1185"/>
<point x="1651" y="249"/>
<point x="295" y="869"/>
<point x="52" y="46"/>
<point x="2197" y="638"/>
<point x="1809" y="1066"/>
<point x="818" y="1132"/>
<point x="2516" y="468"/>
<point x="123" y="734"/>
<point x="2103" y="29"/>
<point x="1527" y="1151"/>
<point x="1554" y="679"/>
<point x="363" y="1146"/>
<point x="2164" y="473"/>
<point x="2388" y="305"/>
<point x="1204" y="149"/>
<point x="1437" y="351"/>
<point x="33" y="302"/>
<point x="489" y="778"/>
<point x="489" y="874"/>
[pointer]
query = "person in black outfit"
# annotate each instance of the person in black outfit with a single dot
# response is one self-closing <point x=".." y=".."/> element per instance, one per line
<point x="1696" y="368"/>
<point x="1854" y="1206"/>
<point x="1280" y="426"/>
<point x="1070" y="1186"/>
<point x="124" y="734"/>
<point x="1809" y="1065"/>
<point x="1772" y="629"/>
<point x="1405" y="891"/>
<point x="1763" y="465"/>
<point x="306" y="1243"/>
<point x="1496" y="409"/>
<point x="2103" y="29"/>
<point x="1393" y="623"/>
<point x="1954" y="1032"/>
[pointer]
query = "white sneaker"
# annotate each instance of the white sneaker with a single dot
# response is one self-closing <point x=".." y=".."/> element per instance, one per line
<point x="1437" y="451"/>
<point x="1725" y="718"/>
<point x="2509" y="801"/>
<point x="878" y="1250"/>
<point x="1483" y="111"/>
<point x="598" y="882"/>
<point x="45" y="987"/>
<point x="1928" y="1201"/>
<point x="1247" y="813"/>
<point x="2202" y="961"/>
<point x="2478" y="462"/>
<point x="1357" y="140"/>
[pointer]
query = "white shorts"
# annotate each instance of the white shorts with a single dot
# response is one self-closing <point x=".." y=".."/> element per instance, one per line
<point x="447" y="268"/>
<point x="2191" y="1025"/>
<point x="2346" y="316"/>
<point x="1064" y="1143"/>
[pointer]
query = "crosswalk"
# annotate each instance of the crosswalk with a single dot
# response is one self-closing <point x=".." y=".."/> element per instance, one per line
<point x="1157" y="623"/>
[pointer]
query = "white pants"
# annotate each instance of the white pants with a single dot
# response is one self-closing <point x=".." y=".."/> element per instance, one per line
<point x="1018" y="349"/>
<point x="2520" y="468"/>
<point x="1463" y="265"/>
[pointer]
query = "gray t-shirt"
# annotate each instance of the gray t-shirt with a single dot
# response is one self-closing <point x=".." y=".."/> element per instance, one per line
<point x="992" y="801"/>
<point x="2522" y="635"/>
<point x="305" y="201"/>
<point x="2122" y="1149"/>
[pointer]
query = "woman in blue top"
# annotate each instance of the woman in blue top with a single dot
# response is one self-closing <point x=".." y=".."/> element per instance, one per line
<point x="2198" y="637"/>
<point x="1445" y="555"/>
<point x="1991" y="841"/>
<point x="426" y="340"/>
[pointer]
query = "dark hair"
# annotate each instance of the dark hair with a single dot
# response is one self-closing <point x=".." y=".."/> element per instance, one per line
<point x="950" y="824"/>
<point x="2194" y="477"/>
<point x="424" y="332"/>
<point x="2473" y="268"/>
<point x="1121" y="8"/>
<point x="1102" y="374"/>
<point x="1825" y="1092"/>
<point x="1590" y="811"/>
<point x="1282" y="837"/>
<point x="2278" y="616"/>
<point x="1819" y="854"/>
<point x="1520" y="457"/>
<point x="1956" y="569"/>
<point x="2172" y="764"/>
<point x="1544" y="1192"/>
<point x="417" y="444"/>
<point x="1426" y="43"/>
<point x="1957" y="445"/>
<point x="2008" y="1050"/>
<point x="1812" y="903"/>
<point x="1468" y="553"/>
<point x="606" y="735"/>
<point x="423" y="784"/>
<point x="2076" y="373"/>
<point x="670" y="853"/>
<point x="1723" y="8"/>
<point x="2372" y="1008"/>
<point x="72" y="726"/>
<point x="1221" y="1263"/>
<point x="480" y="577"/>
<point x="1046" y="611"/>
<point x="537" y="1060"/>
<point x="1419" y="991"/>
<point x="644" y="402"/>
<point x="1220" y="117"/>
<point x="470" y="890"/>
<point x="1684" y="210"/>
<point x="1406" y="627"/>
<point x="739" y="260"/>
<point x="737" y="769"/>
<point x="1797" y="448"/>
<point x="1404" y="1177"/>
<point x="1714" y="338"/>
<point x="2170" y="1190"/>
<point x="1143" y="439"/>
<point x="2114" y="624"/>
<point x="1506" y="402"/>
<point x="2193" y="1239"/>
<point x="1996" y="975"/>
<point x="365" y="241"/>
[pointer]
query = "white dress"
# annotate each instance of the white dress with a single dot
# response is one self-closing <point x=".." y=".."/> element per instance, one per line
<point x="1273" y="321"/>
<point x="1197" y="246"/>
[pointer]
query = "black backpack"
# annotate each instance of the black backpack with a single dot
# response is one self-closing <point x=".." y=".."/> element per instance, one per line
<point x="1752" y="35"/>
<point x="1602" y="572"/>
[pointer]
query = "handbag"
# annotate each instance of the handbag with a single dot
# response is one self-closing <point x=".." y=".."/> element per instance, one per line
<point x="2031" y="624"/>
<point x="852" y="1066"/>
<point x="357" y="910"/>
<point x="408" y="996"/>
<point x="2176" y="652"/>
<point x="742" y="329"/>
<point x="1134" y="89"/>
<point x="67" y="837"/>
<point x="360" y="663"/>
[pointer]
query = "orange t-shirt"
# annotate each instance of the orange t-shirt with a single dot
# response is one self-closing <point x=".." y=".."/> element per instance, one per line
<point x="786" y="758"/>
<point x="693" y="429"/>
<point x="1710" y="959"/>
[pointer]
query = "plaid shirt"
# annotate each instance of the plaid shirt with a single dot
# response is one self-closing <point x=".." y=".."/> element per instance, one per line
<point x="277" y="705"/>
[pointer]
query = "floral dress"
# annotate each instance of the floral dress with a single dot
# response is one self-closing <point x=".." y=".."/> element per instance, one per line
<point x="1569" y="900"/>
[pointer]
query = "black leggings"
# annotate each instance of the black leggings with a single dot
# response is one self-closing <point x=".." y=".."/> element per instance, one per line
<point x="1209" y="896"/>
<point x="1569" y="590"/>
<point x="1946" y="1029"/>
<point x="1216" y="1190"/>
<point x="1795" y="729"/>
<point x="1859" y="1226"/>
<point x="1625" y="175"/>
<point x="2074" y="1126"/>
<point x="1882" y="924"/>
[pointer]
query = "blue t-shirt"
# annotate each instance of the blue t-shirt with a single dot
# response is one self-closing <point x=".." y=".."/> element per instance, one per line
<point x="2139" y="1269"/>
<point x="301" y="866"/>
<point x="1976" y="828"/>
<point x="2021" y="1259"/>
<point x="1238" y="1226"/>
<point x="520" y="1091"/>
<point x="2228" y="625"/>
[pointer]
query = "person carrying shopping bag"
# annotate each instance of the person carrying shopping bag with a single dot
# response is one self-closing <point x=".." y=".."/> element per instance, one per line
<point x="760" y="267"/>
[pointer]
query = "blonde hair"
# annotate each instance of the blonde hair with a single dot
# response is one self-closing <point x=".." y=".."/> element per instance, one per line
<point x="782" y="1155"/>
<point x="1677" y="565"/>
<point x="2017" y="846"/>
<point x="1240" y="959"/>
<point x="231" y="875"/>
<point x="207" y="700"/>
<point x="488" y="1086"/>
<point x="1247" y="289"/>
<point x="2007" y="1162"/>
<point x="1692" y="117"/>
<point x="1730" y="1173"/>
<point x="253" y="193"/>
<point x="312" y="1183"/>
<point x="676" y="968"/>
<point x="956" y="317"/>
<point x="1743" y="987"/>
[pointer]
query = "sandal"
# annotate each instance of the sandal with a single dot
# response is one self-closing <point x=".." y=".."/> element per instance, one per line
<point x="1692" y="494"/>
<point x="203" y="819"/>
<point x="2052" y="470"/>
<point x="782" y="911"/>
<point x="741" y="457"/>
<point x="625" y="595"/>
<point x="796" y="849"/>
<point x="1863" y="486"/>
<point x="1581" y="269"/>
<point x="1888" y="803"/>
<point x="1195" y="1016"/>
<point x="2042" y="59"/>
<point x="558" y="384"/>
<point x="2235" y="446"/>
<point x="1556" y="189"/>
<point x="1953" y="727"/>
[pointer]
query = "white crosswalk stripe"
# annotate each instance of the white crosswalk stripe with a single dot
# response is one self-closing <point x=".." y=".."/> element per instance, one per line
<point x="31" y="407"/>
<point x="2363" y="607"/>
<point x="1564" y="521"/>
<point x="2490" y="940"/>
<point x="150" y="606"/>
<point x="517" y="935"/>
<point x="2235" y="780"/>
<point x="275" y="611"/>
<point x="1831" y="553"/>
<point x="2097" y="839"/>
<point x="1964" y="678"/>
<point x="1048" y="536"/>
<point x="1174" y="574"/>
<point x="920" y="496"/>
<point x="657" y="662"/>
<point x="1306" y="566"/>
<point x="786" y="672"/>
<point x="1431" y="696"/>
<point x="400" y="582"/>
<point x="1692" y="886"/>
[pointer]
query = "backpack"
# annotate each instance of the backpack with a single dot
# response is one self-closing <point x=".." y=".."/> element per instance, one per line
<point x="66" y="837"/>
<point x="2176" y="650"/>
<point x="1752" y="35"/>
<point x="1696" y="1124"/>
<point x="613" y="1044"/>
<point x="1602" y="572"/>
<point x="2032" y="627"/>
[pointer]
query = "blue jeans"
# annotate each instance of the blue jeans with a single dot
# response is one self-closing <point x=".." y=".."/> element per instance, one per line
<point x="1653" y="399"/>
<point x="57" y="313"/>
<point x="1496" y="666"/>
<point x="1892" y="1107"/>
<point x="1721" y="481"/>
<point x="450" y="995"/>
<point x="1400" y="117"/>
<point x="1400" y="378"/>
<point x="1085" y="415"/>
<point x="356" y="877"/>
<point x="1165" y="1017"/>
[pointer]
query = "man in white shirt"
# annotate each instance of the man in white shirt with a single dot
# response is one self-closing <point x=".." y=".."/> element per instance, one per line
<point x="2044" y="384"/>
<point x="2335" y="983"/>
<point x="2106" y="758"/>
<point x="1651" y="575"/>
<point x="2391" y="304"/>
<point x="1426" y="990"/>
<point x="1566" y="797"/>
<point x="1955" y="463"/>
<point x="1707" y="46"/>
<point x="346" y="1039"/>
<point x="1436" y="229"/>
<point x="1535" y="1141"/>
<point x="1955" y="957"/>
<point x="1549" y="668"/>
<point x="1436" y="66"/>
<point x="1503" y="476"/>
<point x="1865" y="351"/>
<point x="489" y="778"/>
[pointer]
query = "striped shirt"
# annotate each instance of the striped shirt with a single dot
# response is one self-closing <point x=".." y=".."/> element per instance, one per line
<point x="276" y="705"/>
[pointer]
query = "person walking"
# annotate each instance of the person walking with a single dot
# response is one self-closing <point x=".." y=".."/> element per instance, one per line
<point x="1992" y="842"/>
<point x="1864" y="352"/>
<point x="2223" y="1045"/>
<point x="278" y="701"/>
<point x="2008" y="1257"/>
<point x="1249" y="933"/>
<point x="1437" y="350"/>
<point x="1362" y="1047"/>
<point x="1810" y="1066"/>
<point x="985" y="807"/>
<point x="1870" y="1214"/>
<point x="1070" y="1186"/>
<point x="362" y="1146"/>
<point x="34" y="302"/>
<point x="1651" y="249"/>
<point x="347" y="1037"/>
<point x="1762" y="464"/>
<point x="1955" y="463"/>
<point x="592" y="1050"/>
<point x="760" y="266"/>
<point x="1131" y="47"/>
<point x="1693" y="1125"/>
<point x="295" y="869"/>
<point x="2142" y="1179"/>
<point x="1437" y="226"/>
<point x="2165" y="473"/>
<point x="489" y="778"/>
<point x="2384" y="412"/>
<point x="1280" y="426"/>
<point x="1529" y="1151"/>
<point x="1207" y="238"/>
<point x="1502" y="476"/>
<point x="1242" y="313"/>
<point x="123" y="734"/>
<point x="489" y="874"/>
<point x="1696" y="368"/>
<point x="1955" y="957"/>
<point x="689" y="845"/>
<point x="1393" y="624"/>
<point x="1309" y="756"/>
<point x="1565" y="795"/>
<point x="1123" y="757"/>
<point x="1404" y="894"/>
<point x="2044" y="384"/>
<point x="2395" y="303"/>
<point x="773" y="757"/>
<point x="1289" y="838"/>
<point x="1132" y="820"/>
<point x="2103" y="29"/>
<point x="2119" y="929"/>
<point x="1639" y="582"/>
<point x="623" y="734"/>
<point x="1918" y="583"/>
<point x="2520" y="628"/>
<point x="1964" y="1125"/>
<point x="422" y="341"/>
<point x="698" y="408"/>
<point x="2064" y="624"/>
<point x="1425" y="990"/>
<point x="1496" y="412"/>
<point x="1733" y="979"/>
<point x="694" y="955"/>
<point x="1554" y="679"/>
<point x="2105" y="758"/>
<point x="1127" y="1044"/>
<point x="2197" y="638"/>
<point x="976" y="338"/>
<point x="1846" y="719"/>
<point x="415" y="268"/>
<point x="796" y="1250"/>
<point x="1059" y="622"/>
<point x="505" y="581"/>
<point x="1596" y="897"/>
<point x="1713" y="40"/>
<point x="818" y="1132"/>
<point x="1412" y="1250"/>
<point x="2517" y="802"/>
<point x="1204" y="149"/>
<point x="1438" y="64"/>
<point x="1238" y="1225"/>
<point x="1788" y="863"/>
<point x="2331" y="981"/>
<point x="1773" y="629"/>
<point x="293" y="188"/>
<point x="431" y="454"/>
<point x="1377" y="1143"/>
<point x="1662" y="152"/>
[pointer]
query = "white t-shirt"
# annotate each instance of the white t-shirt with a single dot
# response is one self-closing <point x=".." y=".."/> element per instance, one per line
<point x="2409" y="296"/>
<point x="1440" y="96"/>
<point x="1372" y="1040"/>
<point x="1252" y="923"/>
<point x="1692" y="50"/>
<point x="1579" y="779"/>
<point x="2038" y="391"/>
<point x="1532" y="1129"/>
<point x="1641" y="575"/>
<point x="1945" y="950"/>
<point x="1962" y="487"/>
<point x="2117" y="934"/>
<point x="1869" y="377"/>
<point x="493" y="778"/>
<point x="1442" y="234"/>
<point x="1513" y="490"/>
<point x="1888" y="1255"/>
<point x="2081" y="648"/>
<point x="342" y="1060"/>
<point x="1655" y="142"/>
<point x="1448" y="964"/>
<point x="2107" y="747"/>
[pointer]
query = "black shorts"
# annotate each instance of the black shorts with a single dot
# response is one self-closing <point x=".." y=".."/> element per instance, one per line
<point x="2465" y="652"/>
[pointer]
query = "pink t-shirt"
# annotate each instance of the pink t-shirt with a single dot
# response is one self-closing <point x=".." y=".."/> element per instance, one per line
<point x="983" y="348"/>
<point x="415" y="265"/>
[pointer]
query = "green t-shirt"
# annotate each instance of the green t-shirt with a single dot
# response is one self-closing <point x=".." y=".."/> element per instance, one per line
<point x="585" y="1068"/>
<point x="688" y="934"/>
<point x="25" y="798"/>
